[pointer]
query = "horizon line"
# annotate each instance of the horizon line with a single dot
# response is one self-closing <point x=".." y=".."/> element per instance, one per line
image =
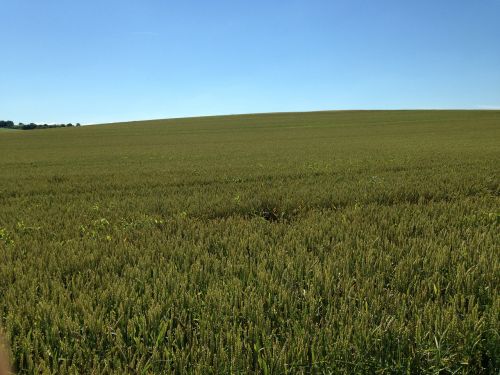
<point x="290" y="112"/>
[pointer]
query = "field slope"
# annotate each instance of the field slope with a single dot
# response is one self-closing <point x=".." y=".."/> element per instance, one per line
<point x="327" y="242"/>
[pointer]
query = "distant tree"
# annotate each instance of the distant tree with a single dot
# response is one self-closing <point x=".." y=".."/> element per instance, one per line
<point x="29" y="126"/>
<point x="32" y="125"/>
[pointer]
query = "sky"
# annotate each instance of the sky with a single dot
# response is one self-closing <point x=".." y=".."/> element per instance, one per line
<point x="98" y="61"/>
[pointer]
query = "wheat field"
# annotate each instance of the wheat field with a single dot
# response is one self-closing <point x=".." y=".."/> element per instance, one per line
<point x="354" y="242"/>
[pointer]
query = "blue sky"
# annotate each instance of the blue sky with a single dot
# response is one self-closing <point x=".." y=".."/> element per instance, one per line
<point x="107" y="60"/>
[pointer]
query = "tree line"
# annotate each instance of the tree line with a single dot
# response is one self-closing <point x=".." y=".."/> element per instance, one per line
<point x="30" y="126"/>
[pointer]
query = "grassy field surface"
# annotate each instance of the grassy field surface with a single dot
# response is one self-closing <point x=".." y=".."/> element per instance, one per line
<point x="329" y="242"/>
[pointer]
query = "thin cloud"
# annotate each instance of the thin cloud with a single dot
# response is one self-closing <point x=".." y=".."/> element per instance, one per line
<point x="144" y="33"/>
<point x="485" y="106"/>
